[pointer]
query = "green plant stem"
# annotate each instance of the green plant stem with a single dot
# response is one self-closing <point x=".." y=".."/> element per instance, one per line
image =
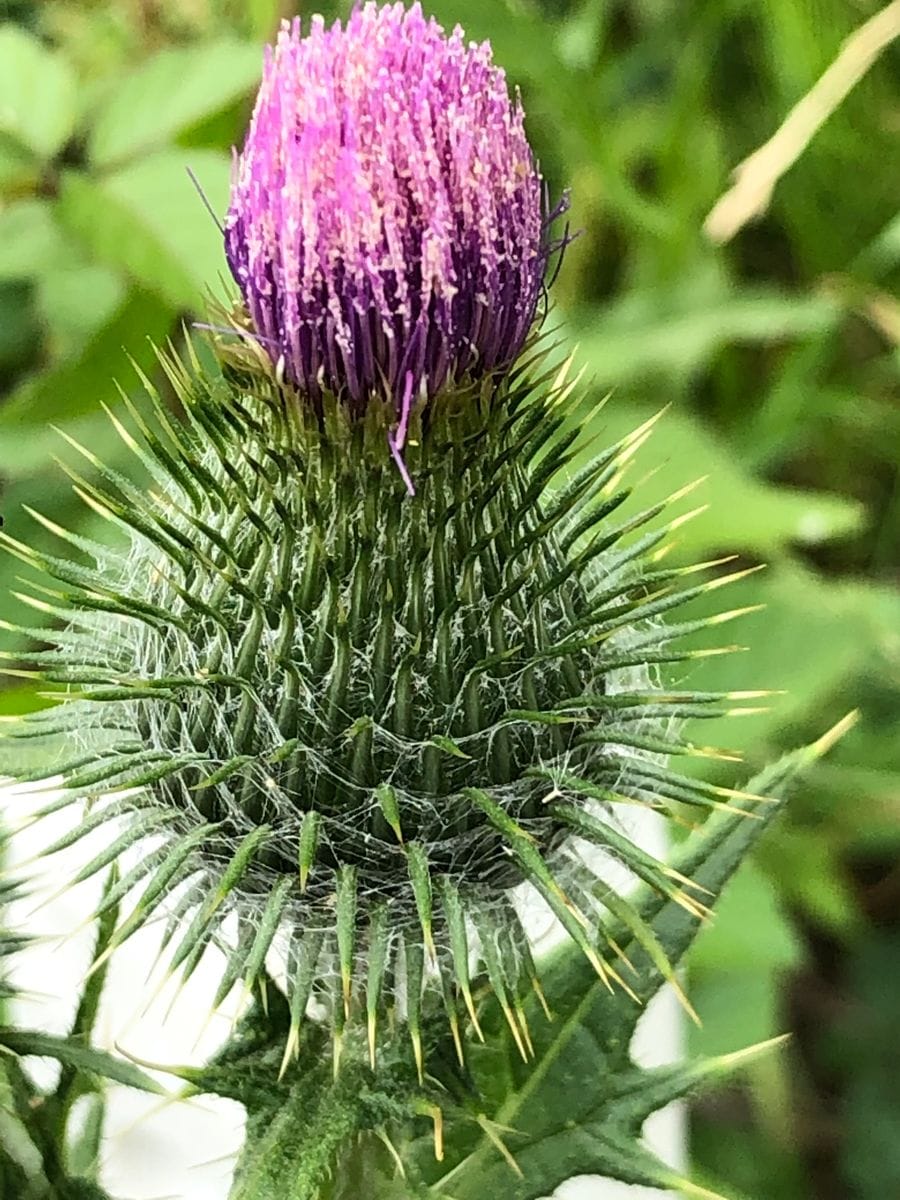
<point x="292" y="1149"/>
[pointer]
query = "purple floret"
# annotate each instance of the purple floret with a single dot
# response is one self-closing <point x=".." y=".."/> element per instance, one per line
<point x="387" y="226"/>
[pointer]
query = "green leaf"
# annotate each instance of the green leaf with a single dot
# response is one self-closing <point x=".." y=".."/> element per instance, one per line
<point x="37" y="93"/>
<point x="69" y="394"/>
<point x="883" y="253"/>
<point x="260" y="17"/>
<point x="76" y="301"/>
<point x="19" y="171"/>
<point x="147" y="220"/>
<point x="74" y="386"/>
<point x="749" y="933"/>
<point x="579" y="1106"/>
<point x="19" y="332"/>
<point x="175" y="89"/>
<point x="810" y="868"/>
<point x="812" y="637"/>
<point x="861" y="1050"/>
<point x="737" y="1008"/>
<point x="735" y="966"/>
<point x="71" y="1053"/>
<point x="30" y="239"/>
<point x="648" y="334"/>
<point x="742" y="512"/>
<point x="85" y="1149"/>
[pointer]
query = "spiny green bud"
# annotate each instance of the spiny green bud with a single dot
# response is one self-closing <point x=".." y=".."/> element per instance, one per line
<point x="372" y="657"/>
<point x="362" y="720"/>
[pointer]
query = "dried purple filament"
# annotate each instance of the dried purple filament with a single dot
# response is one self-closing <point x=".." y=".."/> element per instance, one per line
<point x="387" y="227"/>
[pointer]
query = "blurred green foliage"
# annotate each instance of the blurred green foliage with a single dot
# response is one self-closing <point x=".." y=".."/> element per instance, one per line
<point x="777" y="353"/>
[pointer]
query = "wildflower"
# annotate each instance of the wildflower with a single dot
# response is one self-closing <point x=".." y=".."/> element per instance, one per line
<point x="358" y="723"/>
<point x="387" y="227"/>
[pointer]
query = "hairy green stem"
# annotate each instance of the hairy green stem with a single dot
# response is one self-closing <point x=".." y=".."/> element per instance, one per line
<point x="293" y="1149"/>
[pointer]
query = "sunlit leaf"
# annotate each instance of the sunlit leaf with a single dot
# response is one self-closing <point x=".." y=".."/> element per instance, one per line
<point x="38" y="93"/>
<point x="176" y="88"/>
<point x="645" y="335"/>
<point x="30" y="239"/>
<point x="742" y="512"/>
<point x="147" y="220"/>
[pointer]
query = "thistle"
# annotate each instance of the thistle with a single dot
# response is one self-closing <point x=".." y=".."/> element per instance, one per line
<point x="386" y="226"/>
<point x="361" y="720"/>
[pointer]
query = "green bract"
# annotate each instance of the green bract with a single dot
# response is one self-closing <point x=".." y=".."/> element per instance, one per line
<point x="362" y="720"/>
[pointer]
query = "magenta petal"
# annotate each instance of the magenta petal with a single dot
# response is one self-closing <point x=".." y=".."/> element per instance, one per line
<point x="387" y="218"/>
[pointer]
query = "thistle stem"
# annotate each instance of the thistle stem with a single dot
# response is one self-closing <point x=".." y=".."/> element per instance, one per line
<point x="311" y="1145"/>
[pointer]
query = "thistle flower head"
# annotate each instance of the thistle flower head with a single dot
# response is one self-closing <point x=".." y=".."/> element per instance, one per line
<point x="386" y="227"/>
<point x="360" y="724"/>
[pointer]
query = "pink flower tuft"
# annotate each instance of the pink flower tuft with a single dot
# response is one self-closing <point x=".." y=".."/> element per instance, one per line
<point x="387" y="226"/>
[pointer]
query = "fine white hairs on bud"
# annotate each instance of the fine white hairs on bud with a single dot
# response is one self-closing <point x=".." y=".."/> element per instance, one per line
<point x="363" y="721"/>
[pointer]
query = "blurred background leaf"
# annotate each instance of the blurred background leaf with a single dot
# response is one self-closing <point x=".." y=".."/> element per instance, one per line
<point x="174" y="90"/>
<point x="38" y="94"/>
<point x="777" y="355"/>
<point x="146" y="220"/>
